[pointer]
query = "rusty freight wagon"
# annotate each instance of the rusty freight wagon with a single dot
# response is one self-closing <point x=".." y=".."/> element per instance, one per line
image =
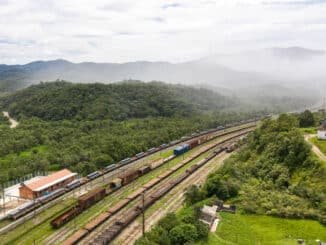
<point x="129" y="176"/>
<point x="91" y="197"/>
<point x="193" y="143"/>
<point x="144" y="170"/>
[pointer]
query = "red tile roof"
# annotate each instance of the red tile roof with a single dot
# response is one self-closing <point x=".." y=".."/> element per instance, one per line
<point x="50" y="180"/>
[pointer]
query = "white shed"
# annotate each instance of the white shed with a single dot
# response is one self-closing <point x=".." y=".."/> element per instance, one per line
<point x="321" y="132"/>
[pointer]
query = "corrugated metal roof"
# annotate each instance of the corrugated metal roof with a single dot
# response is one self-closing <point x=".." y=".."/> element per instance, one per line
<point x="50" y="180"/>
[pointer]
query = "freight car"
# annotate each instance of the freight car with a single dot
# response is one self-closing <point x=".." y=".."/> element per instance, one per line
<point x="140" y="154"/>
<point x="32" y="205"/>
<point x="193" y="143"/>
<point x="112" y="231"/>
<point x="129" y="176"/>
<point x="125" y="161"/>
<point x="179" y="150"/>
<point x="93" y="175"/>
<point x="163" y="146"/>
<point x="151" y="150"/>
<point x="84" y="202"/>
<point x="91" y="197"/>
<point x="51" y="196"/>
<point x="23" y="209"/>
<point x="74" y="184"/>
<point x="144" y="170"/>
<point x="109" y="167"/>
<point x="231" y="147"/>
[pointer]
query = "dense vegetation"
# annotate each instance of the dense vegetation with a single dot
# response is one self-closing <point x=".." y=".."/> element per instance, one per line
<point x="3" y="119"/>
<point x="181" y="228"/>
<point x="88" y="145"/>
<point x="274" y="174"/>
<point x="88" y="126"/>
<point x="117" y="101"/>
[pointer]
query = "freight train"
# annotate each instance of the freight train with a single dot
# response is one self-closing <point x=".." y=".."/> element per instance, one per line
<point x="205" y="135"/>
<point x="121" y="180"/>
<point x="131" y="175"/>
<point x="113" y="230"/>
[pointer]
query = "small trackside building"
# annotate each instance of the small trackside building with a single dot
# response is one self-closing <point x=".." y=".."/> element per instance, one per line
<point x="321" y="132"/>
<point x="208" y="214"/>
<point x="46" y="184"/>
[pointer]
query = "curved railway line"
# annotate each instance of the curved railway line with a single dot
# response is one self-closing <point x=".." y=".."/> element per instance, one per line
<point x="59" y="235"/>
<point x="119" y="194"/>
<point x="98" y="180"/>
<point x="154" y="189"/>
<point x="172" y="201"/>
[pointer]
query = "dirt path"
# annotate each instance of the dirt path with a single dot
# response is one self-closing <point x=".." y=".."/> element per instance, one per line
<point x="314" y="148"/>
<point x="173" y="202"/>
<point x="13" y="122"/>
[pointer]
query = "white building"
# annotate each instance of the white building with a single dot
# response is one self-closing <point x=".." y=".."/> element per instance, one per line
<point x="321" y="133"/>
<point x="208" y="214"/>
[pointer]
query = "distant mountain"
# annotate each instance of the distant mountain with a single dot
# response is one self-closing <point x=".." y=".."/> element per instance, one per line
<point x="195" y="72"/>
<point x="292" y="72"/>
<point x="296" y="53"/>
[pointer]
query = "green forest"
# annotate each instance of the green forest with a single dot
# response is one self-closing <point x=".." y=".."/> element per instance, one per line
<point x="87" y="126"/>
<point x="117" y="101"/>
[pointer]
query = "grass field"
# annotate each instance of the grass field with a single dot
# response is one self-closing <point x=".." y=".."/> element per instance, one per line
<point x="321" y="144"/>
<point x="257" y="229"/>
<point x="310" y="130"/>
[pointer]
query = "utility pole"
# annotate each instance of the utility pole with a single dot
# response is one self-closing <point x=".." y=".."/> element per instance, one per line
<point x="34" y="207"/>
<point x="3" y="198"/>
<point x="143" y="212"/>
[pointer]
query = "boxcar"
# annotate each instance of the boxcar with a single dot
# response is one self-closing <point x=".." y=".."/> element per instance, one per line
<point x="193" y="143"/>
<point x="91" y="197"/>
<point x="65" y="217"/>
<point x="144" y="170"/>
<point x="140" y="154"/>
<point x="129" y="176"/>
<point x="74" y="184"/>
<point x="93" y="175"/>
<point x="125" y="161"/>
<point x="109" y="167"/>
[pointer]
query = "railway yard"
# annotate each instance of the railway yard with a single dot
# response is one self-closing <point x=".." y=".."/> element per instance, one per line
<point x="109" y="206"/>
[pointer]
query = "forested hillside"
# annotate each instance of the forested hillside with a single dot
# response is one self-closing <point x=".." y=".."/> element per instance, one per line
<point x="88" y="126"/>
<point x="274" y="174"/>
<point x="118" y="101"/>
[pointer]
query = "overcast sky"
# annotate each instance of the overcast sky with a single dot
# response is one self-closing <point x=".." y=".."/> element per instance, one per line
<point x="121" y="31"/>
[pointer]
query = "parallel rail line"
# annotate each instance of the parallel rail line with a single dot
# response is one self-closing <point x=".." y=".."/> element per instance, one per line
<point x="82" y="233"/>
<point x="113" y="171"/>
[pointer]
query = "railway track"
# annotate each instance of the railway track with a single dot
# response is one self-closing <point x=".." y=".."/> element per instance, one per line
<point x="174" y="200"/>
<point x="100" y="180"/>
<point x="128" y="217"/>
<point x="59" y="234"/>
<point x="150" y="191"/>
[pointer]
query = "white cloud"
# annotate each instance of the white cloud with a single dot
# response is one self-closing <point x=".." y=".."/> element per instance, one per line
<point x="126" y="30"/>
